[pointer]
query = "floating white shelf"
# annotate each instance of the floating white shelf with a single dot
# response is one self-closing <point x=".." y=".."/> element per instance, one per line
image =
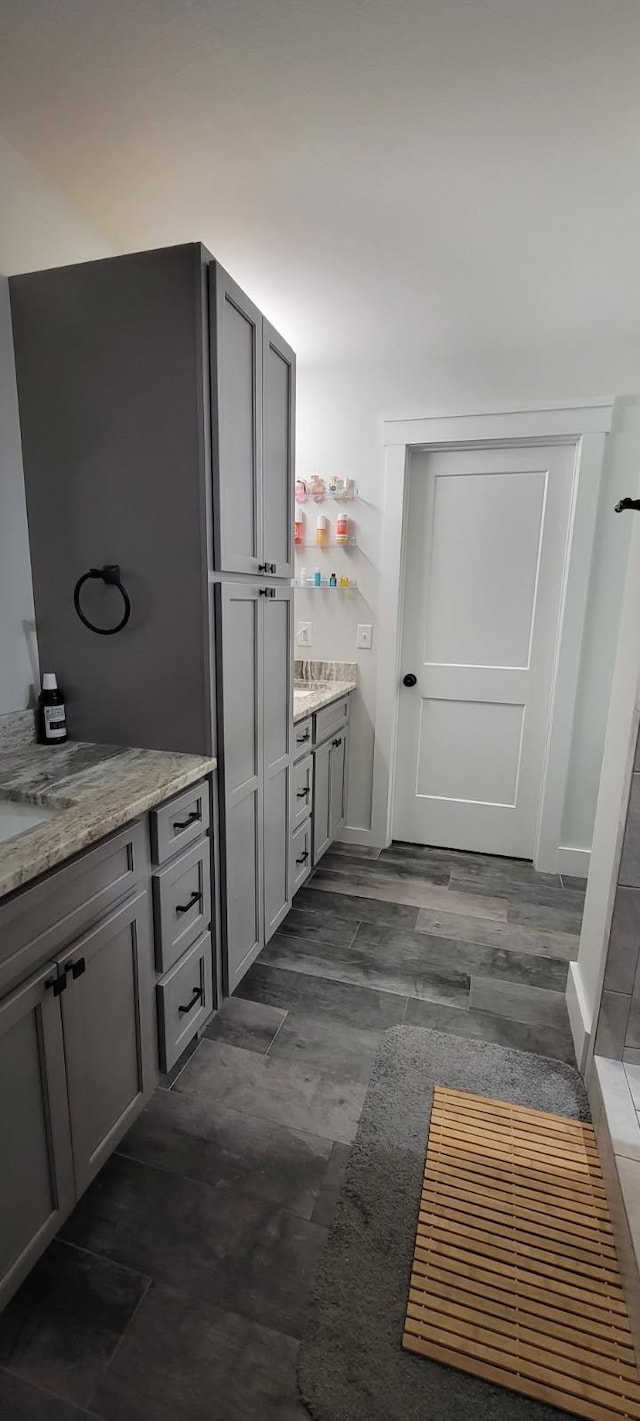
<point x="325" y="586"/>
<point x="331" y="546"/>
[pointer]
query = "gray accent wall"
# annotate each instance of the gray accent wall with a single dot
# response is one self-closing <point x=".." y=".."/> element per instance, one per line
<point x="618" y="1030"/>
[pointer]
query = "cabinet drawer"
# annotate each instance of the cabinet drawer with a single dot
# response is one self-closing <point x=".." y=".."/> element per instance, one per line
<point x="181" y="903"/>
<point x="37" y="921"/>
<point x="300" y="855"/>
<point x="302" y="790"/>
<point x="302" y="734"/>
<point x="179" y="822"/>
<point x="331" y="719"/>
<point x="185" y="1000"/>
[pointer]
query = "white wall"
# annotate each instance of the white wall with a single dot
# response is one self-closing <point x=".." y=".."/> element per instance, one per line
<point x="37" y="229"/>
<point x="340" y="414"/>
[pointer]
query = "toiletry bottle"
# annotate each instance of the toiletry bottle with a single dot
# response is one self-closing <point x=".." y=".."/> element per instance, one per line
<point x="344" y="581"/>
<point x="317" y="578"/>
<point x="52" y="717"/>
<point x="342" y="528"/>
<point x="322" y="531"/>
<point x="298" y="529"/>
<point x="303" y="576"/>
<point x="333" y="581"/>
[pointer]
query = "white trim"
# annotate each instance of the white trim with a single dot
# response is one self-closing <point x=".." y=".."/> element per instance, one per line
<point x="578" y="1015"/>
<point x="573" y="863"/>
<point x="349" y="835"/>
<point x="585" y="426"/>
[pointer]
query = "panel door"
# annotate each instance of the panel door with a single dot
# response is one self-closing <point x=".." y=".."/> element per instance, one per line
<point x="486" y="551"/>
<point x="337" y="782"/>
<point x="240" y="767"/>
<point x="107" y="1017"/>
<point x="236" y="374"/>
<point x="278" y="433"/>
<point x="277" y="617"/>
<point x="36" y="1176"/>
<point x="321" y="800"/>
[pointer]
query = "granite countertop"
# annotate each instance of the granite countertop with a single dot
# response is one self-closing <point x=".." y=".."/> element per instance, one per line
<point x="318" y="683"/>
<point x="94" y="790"/>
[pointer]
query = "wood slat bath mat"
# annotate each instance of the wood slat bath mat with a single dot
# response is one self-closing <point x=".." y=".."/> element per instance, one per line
<point x="515" y="1277"/>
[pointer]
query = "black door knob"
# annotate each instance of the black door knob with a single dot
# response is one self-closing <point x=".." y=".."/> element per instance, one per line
<point x="409" y="679"/>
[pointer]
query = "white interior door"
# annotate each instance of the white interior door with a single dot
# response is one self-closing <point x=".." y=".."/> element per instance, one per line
<point x="487" y="535"/>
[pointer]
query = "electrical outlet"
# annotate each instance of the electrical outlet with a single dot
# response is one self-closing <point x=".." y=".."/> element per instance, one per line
<point x="364" y="636"/>
<point x="303" y="635"/>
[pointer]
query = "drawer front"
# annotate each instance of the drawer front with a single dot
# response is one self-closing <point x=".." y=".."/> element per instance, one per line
<point x="37" y="921"/>
<point x="179" y="822"/>
<point x="185" y="1001"/>
<point x="302" y="737"/>
<point x="300" y="855"/>
<point x="302" y="790"/>
<point x="331" y="719"/>
<point x="181" y="903"/>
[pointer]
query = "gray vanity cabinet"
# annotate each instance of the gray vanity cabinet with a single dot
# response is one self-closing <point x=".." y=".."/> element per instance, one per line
<point x="255" y="726"/>
<point x="36" y="1176"/>
<point x="321" y="800"/>
<point x="108" y="1031"/>
<point x="337" y="782"/>
<point x="330" y="749"/>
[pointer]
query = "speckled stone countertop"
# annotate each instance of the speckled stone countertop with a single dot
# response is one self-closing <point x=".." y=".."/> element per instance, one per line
<point x="94" y="790"/>
<point x="318" y="683"/>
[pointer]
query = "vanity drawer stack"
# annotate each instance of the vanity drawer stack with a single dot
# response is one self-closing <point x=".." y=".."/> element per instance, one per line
<point x="319" y="786"/>
<point x="181" y="891"/>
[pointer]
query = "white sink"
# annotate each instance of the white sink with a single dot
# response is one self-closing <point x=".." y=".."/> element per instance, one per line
<point x="302" y="695"/>
<point x="18" y="818"/>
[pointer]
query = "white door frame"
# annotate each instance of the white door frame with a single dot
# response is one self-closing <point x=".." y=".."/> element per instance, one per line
<point x="585" y="426"/>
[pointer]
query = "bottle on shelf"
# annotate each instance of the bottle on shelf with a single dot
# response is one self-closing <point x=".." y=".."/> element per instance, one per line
<point x="303" y="576"/>
<point x="298" y="529"/>
<point x="333" y="581"/>
<point x="317" y="578"/>
<point x="322" y="531"/>
<point x="342" y="528"/>
<point x="344" y="582"/>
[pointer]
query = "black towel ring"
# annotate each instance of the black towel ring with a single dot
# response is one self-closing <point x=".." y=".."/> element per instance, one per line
<point x="110" y="575"/>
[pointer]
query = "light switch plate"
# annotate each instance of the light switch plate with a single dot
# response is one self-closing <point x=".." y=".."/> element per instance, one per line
<point x="364" y="636"/>
<point x="303" y="636"/>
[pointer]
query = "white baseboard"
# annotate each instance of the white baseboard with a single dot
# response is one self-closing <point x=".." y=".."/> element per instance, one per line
<point x="573" y="862"/>
<point x="578" y="1019"/>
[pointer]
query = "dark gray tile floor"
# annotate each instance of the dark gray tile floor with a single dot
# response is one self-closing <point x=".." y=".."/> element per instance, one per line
<point x="178" y="1285"/>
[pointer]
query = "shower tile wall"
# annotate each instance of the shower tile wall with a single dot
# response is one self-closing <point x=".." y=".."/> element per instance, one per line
<point x="618" y="1033"/>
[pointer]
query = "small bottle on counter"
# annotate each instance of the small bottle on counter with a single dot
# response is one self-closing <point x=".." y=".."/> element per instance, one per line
<point x="52" y="715"/>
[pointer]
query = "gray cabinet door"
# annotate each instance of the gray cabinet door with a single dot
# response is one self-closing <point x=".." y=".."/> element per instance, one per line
<point x="236" y="375"/>
<point x="321" y="800"/>
<point x="108" y="1024"/>
<point x="240" y="769"/>
<point x="277" y="653"/>
<point x="278" y="434"/>
<point x="337" y="782"/>
<point x="36" y="1175"/>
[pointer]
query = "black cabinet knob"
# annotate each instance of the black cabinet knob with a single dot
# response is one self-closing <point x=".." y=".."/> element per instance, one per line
<point x="409" y="679"/>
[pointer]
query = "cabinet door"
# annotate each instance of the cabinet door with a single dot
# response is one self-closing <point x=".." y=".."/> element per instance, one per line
<point x="36" y="1176"/>
<point x="278" y="433"/>
<point x="321" y="797"/>
<point x="337" y="783"/>
<point x="236" y="375"/>
<point x="240" y="717"/>
<point x="107" y="1019"/>
<point x="277" y="615"/>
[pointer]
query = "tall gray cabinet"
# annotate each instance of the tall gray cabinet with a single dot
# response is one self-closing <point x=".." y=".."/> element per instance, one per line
<point x="157" y="418"/>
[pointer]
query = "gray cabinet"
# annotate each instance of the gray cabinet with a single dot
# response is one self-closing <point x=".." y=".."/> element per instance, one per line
<point x="337" y="782"/>
<point x="236" y="368"/>
<point x="277" y="731"/>
<point x="321" y="798"/>
<point x="108" y="1032"/>
<point x="327" y="731"/>
<point x="254" y="688"/>
<point x="36" y="1178"/>
<point x="278" y="434"/>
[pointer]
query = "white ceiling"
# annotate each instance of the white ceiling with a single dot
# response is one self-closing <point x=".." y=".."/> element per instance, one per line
<point x="397" y="176"/>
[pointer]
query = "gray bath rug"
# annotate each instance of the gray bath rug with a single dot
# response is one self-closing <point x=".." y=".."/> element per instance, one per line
<point x="352" y="1366"/>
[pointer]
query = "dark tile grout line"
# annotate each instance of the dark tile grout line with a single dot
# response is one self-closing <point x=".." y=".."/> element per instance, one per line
<point x="277" y="1031"/>
<point x="120" y="1341"/>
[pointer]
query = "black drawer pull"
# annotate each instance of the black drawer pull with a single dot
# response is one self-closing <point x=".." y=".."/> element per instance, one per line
<point x="197" y="994"/>
<point x="190" y="819"/>
<point x="196" y="897"/>
<point x="304" y="857"/>
<point x="76" y="968"/>
<point x="303" y="793"/>
<point x="300" y="739"/>
<point x="338" y="742"/>
<point x="57" y="984"/>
